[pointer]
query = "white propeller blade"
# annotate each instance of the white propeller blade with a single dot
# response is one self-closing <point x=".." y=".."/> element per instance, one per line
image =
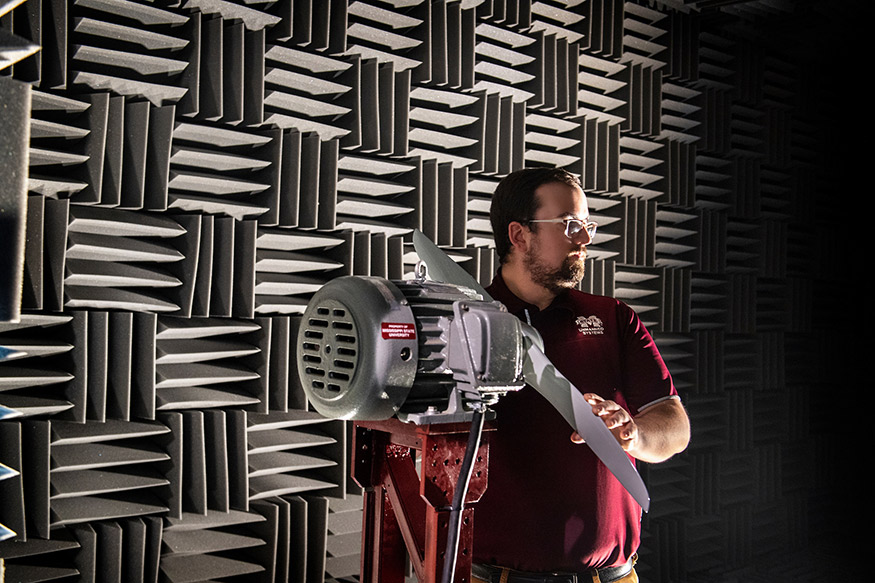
<point x="543" y="376"/>
<point x="442" y="268"/>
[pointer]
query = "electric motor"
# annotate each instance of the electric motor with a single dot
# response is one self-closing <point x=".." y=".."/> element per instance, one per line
<point x="426" y="352"/>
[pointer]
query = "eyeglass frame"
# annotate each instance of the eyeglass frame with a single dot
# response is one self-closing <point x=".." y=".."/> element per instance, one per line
<point x="584" y="225"/>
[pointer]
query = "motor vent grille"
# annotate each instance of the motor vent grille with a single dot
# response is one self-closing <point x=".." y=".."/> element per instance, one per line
<point x="330" y="349"/>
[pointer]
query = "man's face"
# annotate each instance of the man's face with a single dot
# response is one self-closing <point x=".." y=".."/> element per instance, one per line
<point x="553" y="260"/>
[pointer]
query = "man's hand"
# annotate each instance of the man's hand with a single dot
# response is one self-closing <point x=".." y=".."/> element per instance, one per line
<point x="654" y="435"/>
<point x="615" y="418"/>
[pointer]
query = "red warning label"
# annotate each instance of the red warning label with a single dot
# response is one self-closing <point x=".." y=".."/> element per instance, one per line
<point x="398" y="331"/>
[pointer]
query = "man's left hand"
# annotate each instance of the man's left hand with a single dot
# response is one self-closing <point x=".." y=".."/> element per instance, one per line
<point x="615" y="418"/>
<point x="656" y="434"/>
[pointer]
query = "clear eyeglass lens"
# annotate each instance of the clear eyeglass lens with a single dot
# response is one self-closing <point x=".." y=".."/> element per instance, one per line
<point x="575" y="226"/>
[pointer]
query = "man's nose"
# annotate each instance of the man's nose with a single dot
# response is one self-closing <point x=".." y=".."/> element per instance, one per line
<point x="582" y="238"/>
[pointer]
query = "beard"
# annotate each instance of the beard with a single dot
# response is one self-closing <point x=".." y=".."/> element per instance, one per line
<point x="566" y="276"/>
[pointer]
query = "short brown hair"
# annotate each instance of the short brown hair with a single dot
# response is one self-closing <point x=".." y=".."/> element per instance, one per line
<point x="514" y="200"/>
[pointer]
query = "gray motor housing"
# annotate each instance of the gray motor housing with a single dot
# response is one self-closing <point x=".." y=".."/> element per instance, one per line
<point x="350" y="367"/>
<point x="369" y="349"/>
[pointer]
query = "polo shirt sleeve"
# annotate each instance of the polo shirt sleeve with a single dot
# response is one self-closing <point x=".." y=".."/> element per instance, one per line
<point x="646" y="379"/>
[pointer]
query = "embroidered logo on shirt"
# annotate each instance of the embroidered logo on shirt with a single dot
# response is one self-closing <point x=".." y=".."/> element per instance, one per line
<point x="590" y="325"/>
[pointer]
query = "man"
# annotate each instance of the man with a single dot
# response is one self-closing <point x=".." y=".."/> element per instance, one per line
<point x="552" y="512"/>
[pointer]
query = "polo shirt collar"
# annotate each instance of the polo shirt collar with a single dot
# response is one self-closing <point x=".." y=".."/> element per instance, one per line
<point x="499" y="291"/>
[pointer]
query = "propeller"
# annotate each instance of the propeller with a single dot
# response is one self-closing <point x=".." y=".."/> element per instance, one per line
<point x="542" y="375"/>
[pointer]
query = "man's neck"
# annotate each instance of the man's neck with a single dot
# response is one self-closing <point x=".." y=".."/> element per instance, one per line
<point x="520" y="284"/>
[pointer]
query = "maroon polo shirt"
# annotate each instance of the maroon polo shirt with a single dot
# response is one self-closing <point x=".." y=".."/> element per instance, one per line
<point x="550" y="504"/>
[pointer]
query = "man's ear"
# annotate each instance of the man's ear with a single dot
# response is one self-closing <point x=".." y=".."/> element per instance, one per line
<point x="518" y="235"/>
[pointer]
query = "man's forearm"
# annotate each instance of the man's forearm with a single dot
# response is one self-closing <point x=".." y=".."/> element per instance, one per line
<point x="663" y="431"/>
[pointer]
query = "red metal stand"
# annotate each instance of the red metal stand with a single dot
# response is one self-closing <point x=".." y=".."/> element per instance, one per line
<point x="403" y="511"/>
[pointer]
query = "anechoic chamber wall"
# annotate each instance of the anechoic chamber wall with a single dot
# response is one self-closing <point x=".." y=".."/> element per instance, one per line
<point x="195" y="170"/>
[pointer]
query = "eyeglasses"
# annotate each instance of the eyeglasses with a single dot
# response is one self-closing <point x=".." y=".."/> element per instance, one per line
<point x="572" y="226"/>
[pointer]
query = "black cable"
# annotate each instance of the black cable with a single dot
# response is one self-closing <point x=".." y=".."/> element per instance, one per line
<point x="455" y="522"/>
